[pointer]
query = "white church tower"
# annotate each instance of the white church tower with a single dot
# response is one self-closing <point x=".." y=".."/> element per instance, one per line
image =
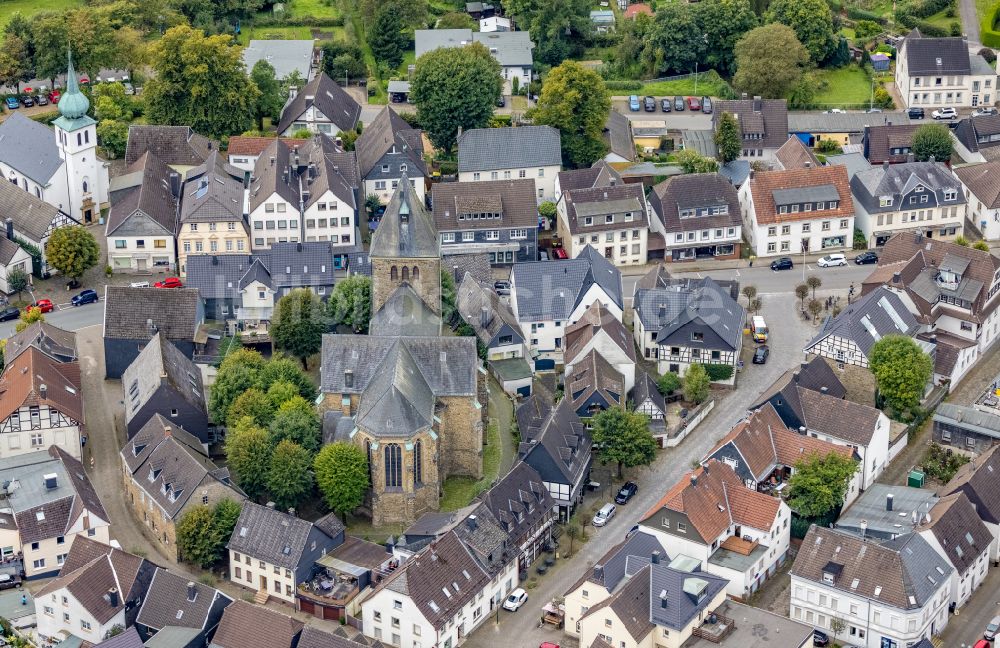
<point x="76" y="137"/>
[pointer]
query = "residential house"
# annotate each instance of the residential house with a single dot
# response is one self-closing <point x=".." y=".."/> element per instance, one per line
<point x="245" y="287"/>
<point x="498" y="331"/>
<point x="711" y="516"/>
<point x="979" y="480"/>
<point x="441" y="594"/>
<point x="598" y="584"/>
<point x="522" y="506"/>
<point x="142" y="222"/>
<point x="953" y="528"/>
<point x="763" y="124"/>
<point x="285" y="56"/>
<point x="894" y="593"/>
<point x="594" y="385"/>
<point x="547" y="296"/>
<point x="166" y="472"/>
<point x="313" y="637"/>
<point x="763" y="452"/>
<point x="933" y="72"/>
<point x="690" y="323"/>
<point x="982" y="194"/>
<point x="498" y="218"/>
<point x="751" y="627"/>
<point x="618" y="136"/>
<point x="271" y="551"/>
<point x="29" y="219"/>
<point x="41" y="405"/>
<point x="555" y="442"/>
<point x="13" y="257"/>
<point x="886" y="512"/>
<point x="511" y="49"/>
<point x="794" y="154"/>
<point x="845" y="129"/>
<point x="812" y="401"/>
<point x="511" y="153"/>
<point x="98" y="588"/>
<point x="892" y="143"/>
<point x="635" y="9"/>
<point x="949" y="288"/>
<point x="244" y="151"/>
<point x="245" y="625"/>
<point x="965" y="428"/>
<point x="599" y="330"/>
<point x="303" y="193"/>
<point x="212" y="211"/>
<point x="976" y="138"/>
<point x="919" y="197"/>
<point x="387" y="150"/>
<point x="162" y="380"/>
<point x="646" y="399"/>
<point x="342" y="576"/>
<point x="494" y="24"/>
<point x="54" y="342"/>
<point x="701" y="217"/>
<point x="600" y="174"/>
<point x="321" y="106"/>
<point x="179" y="147"/>
<point x="49" y="506"/>
<point x="613" y="219"/>
<point x="799" y="211"/>
<point x="132" y="316"/>
<point x="175" y="604"/>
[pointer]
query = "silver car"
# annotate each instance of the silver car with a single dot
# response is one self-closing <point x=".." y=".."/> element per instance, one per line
<point x="606" y="513"/>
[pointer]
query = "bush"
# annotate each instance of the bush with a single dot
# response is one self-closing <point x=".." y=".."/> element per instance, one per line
<point x="988" y="33"/>
<point x="668" y="383"/>
<point x="956" y="29"/>
<point x="942" y="463"/>
<point x="624" y="86"/>
<point x="860" y="14"/>
<point x="718" y="372"/>
<point x="828" y="146"/>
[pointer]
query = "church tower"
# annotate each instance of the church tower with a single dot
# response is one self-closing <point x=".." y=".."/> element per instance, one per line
<point x="406" y="250"/>
<point x="76" y="137"/>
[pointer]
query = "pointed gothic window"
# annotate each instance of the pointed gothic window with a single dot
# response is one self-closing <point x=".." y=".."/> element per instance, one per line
<point x="393" y="466"/>
<point x="418" y="464"/>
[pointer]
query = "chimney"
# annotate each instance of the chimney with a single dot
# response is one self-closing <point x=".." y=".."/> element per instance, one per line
<point x="655" y="558"/>
<point x="694" y="479"/>
<point x="298" y="247"/>
<point x="291" y="511"/>
<point x="599" y="573"/>
<point x="270" y="505"/>
<point x="459" y="137"/>
<point x="895" y="277"/>
<point x="113" y="597"/>
<point x="743" y="96"/>
<point x="43" y="390"/>
<point x="885" y="165"/>
<point x="663" y="599"/>
<point x="348" y="378"/>
<point x="864" y="527"/>
<point x="809" y="165"/>
<point x="167" y="431"/>
<point x="175" y="184"/>
<point x="192" y="591"/>
<point x="888" y="502"/>
<point x="824" y="389"/>
<point x="931" y="159"/>
<point x="484" y="317"/>
<point x="471" y="522"/>
<point x="51" y="481"/>
<point x="10" y="228"/>
<point x="802" y="429"/>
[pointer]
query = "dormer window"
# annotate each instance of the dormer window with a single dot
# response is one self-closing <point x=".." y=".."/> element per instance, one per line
<point x="950" y="194"/>
<point x="588" y="220"/>
<point x="885" y="201"/>
<point x="610" y="218"/>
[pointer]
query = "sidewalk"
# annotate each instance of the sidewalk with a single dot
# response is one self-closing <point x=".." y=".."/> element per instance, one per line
<point x="709" y="265"/>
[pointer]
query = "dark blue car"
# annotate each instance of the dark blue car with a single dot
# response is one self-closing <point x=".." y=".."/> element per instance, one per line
<point x="85" y="297"/>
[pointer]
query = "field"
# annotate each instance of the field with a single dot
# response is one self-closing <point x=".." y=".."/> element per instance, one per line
<point x="288" y="33"/>
<point x="317" y="8"/>
<point x="848" y="85"/>
<point x="29" y="7"/>
<point x="706" y="86"/>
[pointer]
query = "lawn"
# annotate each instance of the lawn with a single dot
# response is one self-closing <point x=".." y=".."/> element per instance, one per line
<point x="459" y="491"/>
<point x="707" y="86"/>
<point x="409" y="58"/>
<point x="844" y="86"/>
<point x="29" y="7"/>
<point x="316" y="8"/>
<point x="941" y="20"/>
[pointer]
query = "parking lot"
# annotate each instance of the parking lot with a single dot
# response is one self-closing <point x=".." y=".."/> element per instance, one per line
<point x="685" y="120"/>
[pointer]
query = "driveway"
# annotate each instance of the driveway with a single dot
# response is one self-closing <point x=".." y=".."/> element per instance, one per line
<point x="970" y="23"/>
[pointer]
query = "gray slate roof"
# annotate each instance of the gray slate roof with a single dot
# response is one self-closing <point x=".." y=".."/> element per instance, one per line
<point x="557" y="432"/>
<point x="514" y="200"/>
<point x="161" y="362"/>
<point x="475" y="300"/>
<point x="405" y="313"/>
<point x="668" y="309"/>
<point x="691" y="191"/>
<point x="148" y="208"/>
<point x="275" y="536"/>
<point x="763" y="122"/>
<point x="406" y="229"/>
<point x="820" y="122"/>
<point x="386" y="131"/>
<point x="870" y="509"/>
<point x="683" y="590"/>
<point x="50" y="340"/>
<point x="551" y="290"/>
<point x="977" y="132"/>
<point x="212" y="192"/>
<point x="900" y="180"/>
<point x="646" y="388"/>
<point x="32" y="216"/>
<point x="328" y="97"/>
<point x="285" y="56"/>
<point x="511" y="48"/>
<point x="168" y="602"/>
<point x="127" y="311"/>
<point x="332" y="169"/>
<point x="610" y="569"/>
<point x="936" y="56"/>
<point x="176" y="145"/>
<point x="313" y="637"/>
<point x="524" y="147"/>
<point x="29" y="147"/>
<point x="285" y="265"/>
<point x="128" y="639"/>
<point x="618" y="135"/>
<point x="869" y="319"/>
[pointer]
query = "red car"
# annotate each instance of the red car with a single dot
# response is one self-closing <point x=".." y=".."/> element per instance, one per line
<point x="548" y="644"/>
<point x="559" y="253"/>
<point x="694" y="103"/>
<point x="54" y="97"/>
<point x="169" y="282"/>
<point x="44" y="304"/>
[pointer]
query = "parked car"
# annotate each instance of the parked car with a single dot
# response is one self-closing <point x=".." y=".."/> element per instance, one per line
<point x="982" y="643"/>
<point x="548" y="644"/>
<point x="992" y="628"/>
<point x="866" y="258"/>
<point x="984" y="110"/>
<point x="501" y="287"/>
<point x="41" y="100"/>
<point x="665" y="105"/>
<point x="9" y="580"/>
<point x="602" y="516"/>
<point x="873" y="110"/>
<point x="87" y="296"/>
<point x="10" y="313"/>
<point x="44" y="305"/>
<point x="130" y="89"/>
<point x="543" y="255"/>
<point x="54" y="96"/>
<point x="12" y="103"/>
<point x="679" y="104"/>
<point x="834" y="111"/>
<point x="945" y="113"/>
<point x="139" y="284"/>
<point x="515" y="599"/>
<point x="501" y="102"/>
<point x="784" y="263"/>
<point x="832" y="260"/>
<point x="27" y="101"/>
<point x="760" y="354"/>
<point x="633" y="103"/>
<point x="694" y="103"/>
<point x="820" y="638"/>
<point x="169" y="282"/>
<point x="649" y="104"/>
<point x="915" y="113"/>
<point x="626" y="492"/>
<point x="706" y="105"/>
<point x="560" y="253"/>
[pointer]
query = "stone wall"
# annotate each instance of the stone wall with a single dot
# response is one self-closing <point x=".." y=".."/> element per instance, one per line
<point x="405" y="504"/>
<point x="427" y="284"/>
<point x="461" y="436"/>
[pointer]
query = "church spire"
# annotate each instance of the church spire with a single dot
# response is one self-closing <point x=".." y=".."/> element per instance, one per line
<point x="73" y="104"/>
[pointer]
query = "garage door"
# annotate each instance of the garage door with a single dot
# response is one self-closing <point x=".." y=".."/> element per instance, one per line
<point x="524" y="391"/>
<point x="544" y="365"/>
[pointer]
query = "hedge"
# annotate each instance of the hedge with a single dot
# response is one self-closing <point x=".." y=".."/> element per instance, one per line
<point x="296" y="21"/>
<point x="625" y="86"/>
<point x="860" y="14"/>
<point x="718" y="371"/>
<point x="988" y="34"/>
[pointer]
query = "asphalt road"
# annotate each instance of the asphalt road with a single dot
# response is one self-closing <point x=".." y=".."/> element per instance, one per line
<point x="65" y="317"/>
<point x="684" y="120"/>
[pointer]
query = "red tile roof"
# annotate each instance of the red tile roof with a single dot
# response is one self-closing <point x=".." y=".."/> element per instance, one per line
<point x="252" y="146"/>
<point x="765" y="183"/>
<point x="636" y="9"/>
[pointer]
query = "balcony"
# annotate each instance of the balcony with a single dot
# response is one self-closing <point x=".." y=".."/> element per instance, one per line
<point x="329" y="588"/>
<point x="715" y="628"/>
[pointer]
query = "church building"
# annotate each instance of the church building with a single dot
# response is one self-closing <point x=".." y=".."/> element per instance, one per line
<point x="413" y="399"/>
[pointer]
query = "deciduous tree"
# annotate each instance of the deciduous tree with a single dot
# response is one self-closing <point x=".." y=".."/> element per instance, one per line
<point x="694" y="162"/>
<point x="254" y="404"/>
<point x="819" y="483"/>
<point x="271" y="99"/>
<point x="197" y="538"/>
<point x="350" y="303"/>
<point x="72" y="250"/>
<point x="668" y="383"/>
<point x="29" y="316"/>
<point x="342" y="476"/>
<point x="802" y="291"/>
<point x="723" y="22"/>
<point x="728" y="142"/>
<point x="813" y="282"/>
<point x="812" y="22"/>
<point x="298" y="324"/>
<point x="675" y="41"/>
<point x="769" y="61"/>
<point x="575" y="101"/>
<point x="248" y="455"/>
<point x="289" y="477"/>
<point x="297" y="420"/>
<point x="901" y="370"/>
<point x="932" y="140"/>
<point x="457" y="20"/>
<point x="281" y="368"/>
<point x="17" y="281"/>
<point x="696" y="384"/>
<point x="623" y="438"/>
<point x="237" y="373"/>
<point x="557" y="26"/>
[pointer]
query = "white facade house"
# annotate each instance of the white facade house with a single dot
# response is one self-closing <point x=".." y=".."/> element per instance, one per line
<point x="511" y="49"/>
<point x="935" y="72"/>
<point x="953" y="529"/>
<point x="598" y="330"/>
<point x="891" y="594"/>
<point x="512" y="153"/>
<point x="982" y="196"/>
<point x="142" y="224"/>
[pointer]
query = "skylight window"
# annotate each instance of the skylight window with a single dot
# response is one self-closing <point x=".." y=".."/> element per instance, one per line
<point x="855" y="583"/>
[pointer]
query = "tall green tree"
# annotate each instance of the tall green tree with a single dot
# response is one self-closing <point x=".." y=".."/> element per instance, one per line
<point x="575" y="101"/>
<point x="696" y="383"/>
<point x="820" y="483"/>
<point x="17" y="281"/>
<point x="15" y="62"/>
<point x="110" y="102"/>
<point x="623" y="438"/>
<point x="197" y="537"/>
<point x="200" y="81"/>
<point x="350" y="303"/>
<point x="457" y="20"/>
<point x="559" y="27"/>
<point x="728" y="142"/>
<point x="694" y="162"/>
<point x="386" y="37"/>
<point x="342" y="476"/>
<point x="289" y="476"/>
<point x="298" y="324"/>
<point x="252" y="403"/>
<point x="272" y="99"/>
<point x="769" y="61"/>
<point x="113" y="136"/>
<point x="248" y="455"/>
<point x="414" y="13"/>
<point x="675" y="41"/>
<point x="812" y="22"/>
<point x="455" y="87"/>
<point x="901" y="370"/>
<point x="723" y="23"/>
<point x="932" y="140"/>
<point x="297" y="420"/>
<point x="237" y="373"/>
<point x="72" y="250"/>
<point x="281" y="368"/>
